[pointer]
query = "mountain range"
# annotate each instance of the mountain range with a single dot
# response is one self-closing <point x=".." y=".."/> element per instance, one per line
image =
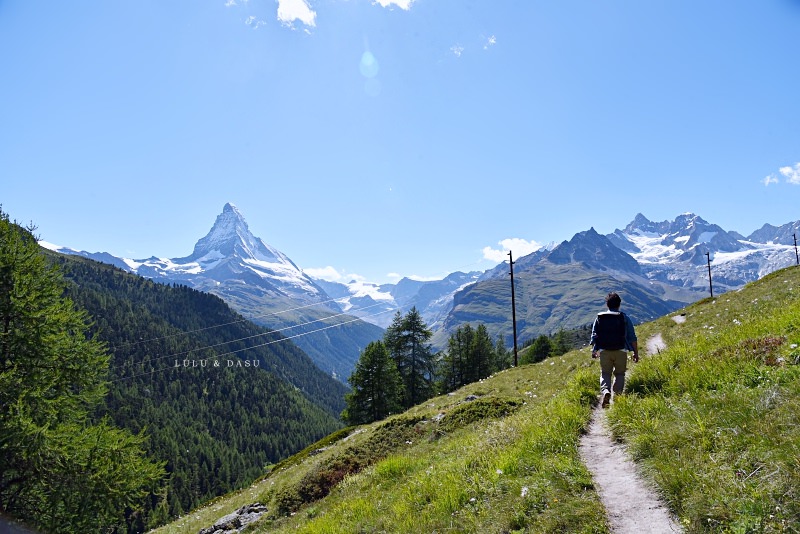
<point x="656" y="266"/>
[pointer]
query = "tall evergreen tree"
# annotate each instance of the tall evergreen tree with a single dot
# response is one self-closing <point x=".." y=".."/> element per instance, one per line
<point x="407" y="340"/>
<point x="470" y="357"/>
<point x="453" y="366"/>
<point x="502" y="356"/>
<point x="57" y="469"/>
<point x="480" y="355"/>
<point x="377" y="387"/>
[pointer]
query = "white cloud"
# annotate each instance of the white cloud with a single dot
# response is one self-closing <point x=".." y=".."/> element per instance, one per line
<point x="255" y="23"/>
<point x="230" y="3"/>
<point x="792" y="174"/>
<point x="771" y="179"/>
<point x="457" y="50"/>
<point x="402" y="4"/>
<point x="325" y="273"/>
<point x="518" y="247"/>
<point x="491" y="41"/>
<point x="292" y="10"/>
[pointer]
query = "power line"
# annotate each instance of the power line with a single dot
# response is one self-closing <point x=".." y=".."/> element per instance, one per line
<point x="251" y="348"/>
<point x="133" y="343"/>
<point x="269" y="332"/>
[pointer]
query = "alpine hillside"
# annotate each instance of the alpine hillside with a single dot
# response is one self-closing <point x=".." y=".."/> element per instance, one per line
<point x="219" y="397"/>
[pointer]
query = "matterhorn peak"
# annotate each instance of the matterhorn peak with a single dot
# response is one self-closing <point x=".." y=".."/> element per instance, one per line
<point x="231" y="237"/>
<point x="231" y="212"/>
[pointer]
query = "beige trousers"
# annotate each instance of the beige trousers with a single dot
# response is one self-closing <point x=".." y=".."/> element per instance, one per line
<point x="612" y="362"/>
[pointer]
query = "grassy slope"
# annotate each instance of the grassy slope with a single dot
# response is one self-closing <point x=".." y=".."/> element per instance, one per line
<point x="467" y="471"/>
<point x="712" y="419"/>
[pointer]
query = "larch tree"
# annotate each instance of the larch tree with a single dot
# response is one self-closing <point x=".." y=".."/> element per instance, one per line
<point x="502" y="356"/>
<point x="481" y="354"/>
<point x="470" y="357"/>
<point x="377" y="387"/>
<point x="58" y="468"/>
<point x="407" y="340"/>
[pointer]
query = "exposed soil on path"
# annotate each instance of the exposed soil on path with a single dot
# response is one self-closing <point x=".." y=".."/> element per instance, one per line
<point x="632" y="506"/>
<point x="630" y="502"/>
<point x="656" y="344"/>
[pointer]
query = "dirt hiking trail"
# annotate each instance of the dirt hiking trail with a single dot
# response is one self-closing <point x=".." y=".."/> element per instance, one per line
<point x="631" y="504"/>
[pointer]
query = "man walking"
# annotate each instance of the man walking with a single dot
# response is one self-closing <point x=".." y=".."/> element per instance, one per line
<point x="613" y="336"/>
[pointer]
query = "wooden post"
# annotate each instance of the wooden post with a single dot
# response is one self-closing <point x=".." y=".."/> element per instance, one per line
<point x="710" y="287"/>
<point x="513" y="307"/>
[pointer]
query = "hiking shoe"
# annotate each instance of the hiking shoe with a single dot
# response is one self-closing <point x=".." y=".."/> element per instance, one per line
<point x="606" y="400"/>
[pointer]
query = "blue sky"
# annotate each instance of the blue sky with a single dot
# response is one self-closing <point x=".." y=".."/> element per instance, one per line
<point x="406" y="137"/>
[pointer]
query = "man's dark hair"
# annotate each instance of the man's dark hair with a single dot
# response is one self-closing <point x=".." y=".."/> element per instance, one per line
<point x="613" y="301"/>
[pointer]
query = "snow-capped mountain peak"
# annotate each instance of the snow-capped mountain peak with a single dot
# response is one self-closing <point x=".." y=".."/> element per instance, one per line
<point x="641" y="225"/>
<point x="231" y="237"/>
<point x="675" y="251"/>
<point x="228" y="258"/>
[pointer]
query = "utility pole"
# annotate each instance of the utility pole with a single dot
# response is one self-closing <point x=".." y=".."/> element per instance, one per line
<point x="795" y="248"/>
<point x="710" y="287"/>
<point x="513" y="307"/>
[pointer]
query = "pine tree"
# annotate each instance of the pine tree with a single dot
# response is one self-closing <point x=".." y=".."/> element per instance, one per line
<point x="56" y="467"/>
<point x="407" y="340"/>
<point x="377" y="387"/>
<point x="561" y="344"/>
